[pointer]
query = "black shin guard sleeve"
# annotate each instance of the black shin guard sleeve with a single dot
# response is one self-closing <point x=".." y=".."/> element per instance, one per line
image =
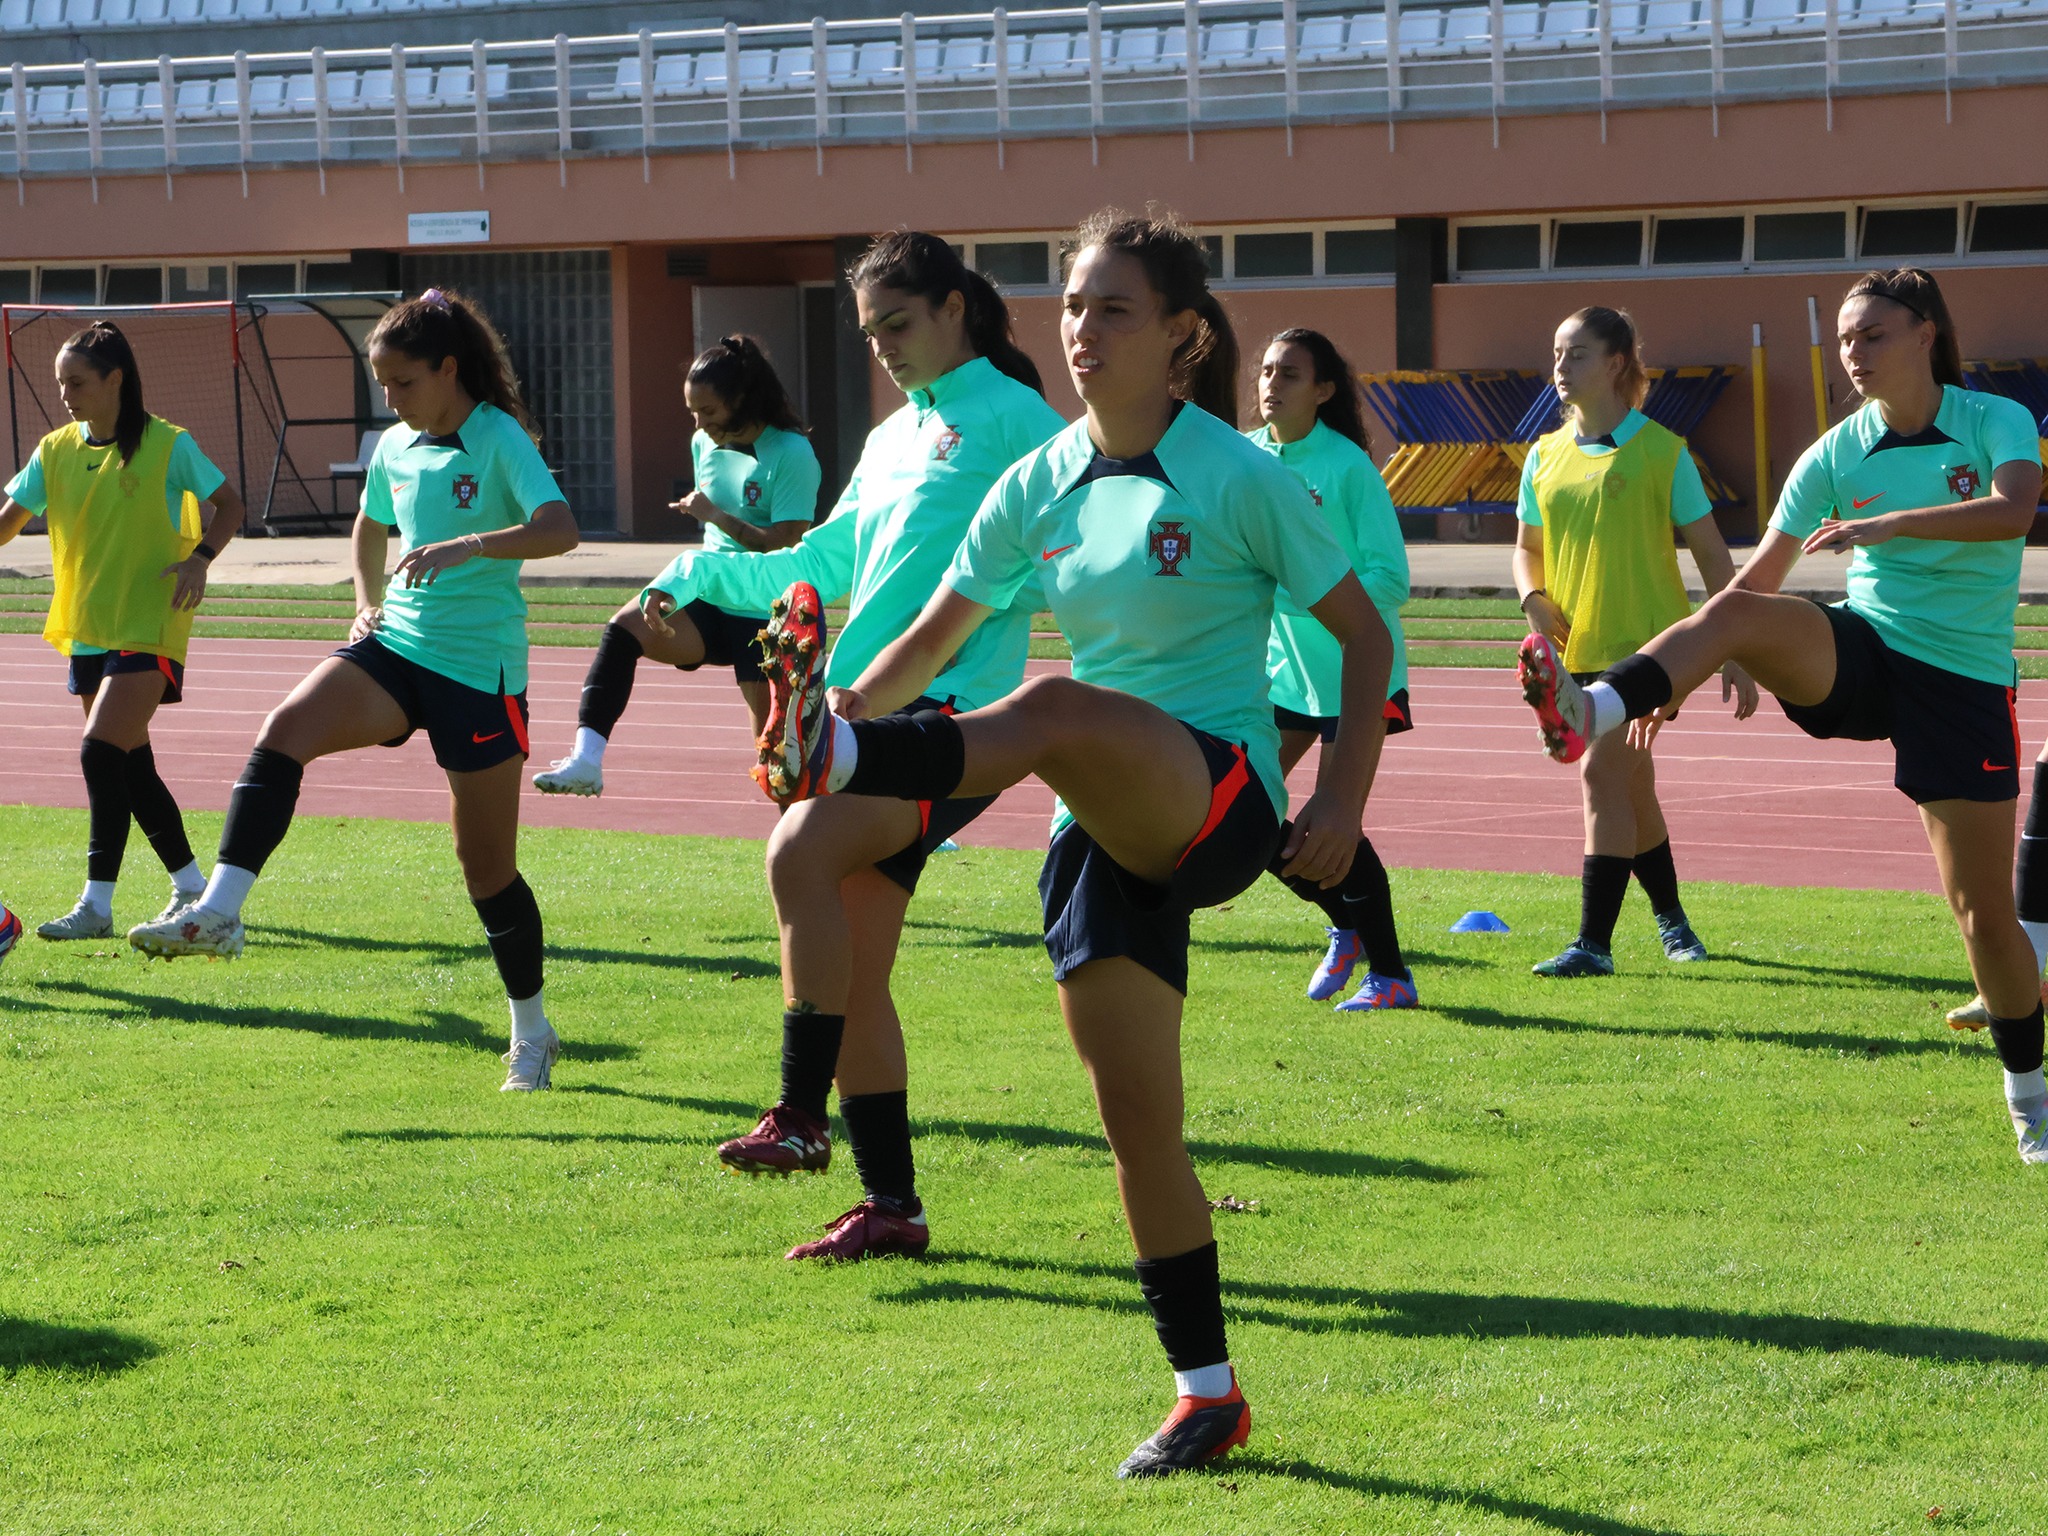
<point x="1641" y="681"/>
<point x="1603" y="884"/>
<point x="1658" y="876"/>
<point x="609" y="684"/>
<point x="1185" y="1294"/>
<point x="260" y="809"/>
<point x="106" y="798"/>
<point x="512" y="925"/>
<point x="810" y="1059"/>
<point x="878" y="1130"/>
<point x="1363" y="903"/>
<point x="2018" y="1041"/>
<point x="156" y="809"/>
<point x="1331" y="901"/>
<point x="908" y="757"/>
<point x="2030" y="874"/>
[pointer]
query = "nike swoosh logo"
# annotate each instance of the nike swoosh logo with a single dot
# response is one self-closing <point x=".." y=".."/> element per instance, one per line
<point x="1991" y="767"/>
<point x="1866" y="501"/>
<point x="480" y="740"/>
<point x="1060" y="551"/>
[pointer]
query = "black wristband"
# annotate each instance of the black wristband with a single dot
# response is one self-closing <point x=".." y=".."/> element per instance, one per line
<point x="1532" y="592"/>
<point x="206" y="549"/>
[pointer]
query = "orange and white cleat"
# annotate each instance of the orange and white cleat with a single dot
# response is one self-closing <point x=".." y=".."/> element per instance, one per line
<point x="796" y="747"/>
<point x="1559" y="702"/>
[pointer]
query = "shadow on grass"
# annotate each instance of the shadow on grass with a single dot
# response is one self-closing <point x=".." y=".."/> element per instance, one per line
<point x="27" y="1345"/>
<point x="1791" y="1039"/>
<point x="968" y="936"/>
<point x="1856" y="978"/>
<point x="1459" y="1314"/>
<point x="723" y="1107"/>
<point x="419" y="1133"/>
<point x="438" y="1027"/>
<point x="1318" y="1161"/>
<point x="1570" y="1521"/>
<point x="455" y="954"/>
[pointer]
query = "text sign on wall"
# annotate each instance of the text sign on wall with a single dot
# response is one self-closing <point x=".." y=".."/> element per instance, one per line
<point x="473" y="228"/>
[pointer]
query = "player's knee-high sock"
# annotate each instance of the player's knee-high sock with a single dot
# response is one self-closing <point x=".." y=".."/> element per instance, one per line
<point x="1185" y="1294"/>
<point x="905" y="757"/>
<point x="1658" y="876"/>
<point x="156" y="812"/>
<point x="512" y="927"/>
<point x="1363" y="903"/>
<point x="878" y="1130"/>
<point x="1633" y="687"/>
<point x="2019" y="1042"/>
<point x="259" y="814"/>
<point x="607" y="688"/>
<point x="2030" y="875"/>
<point x="1603" y="883"/>
<point x="106" y="798"/>
<point x="810" y="1059"/>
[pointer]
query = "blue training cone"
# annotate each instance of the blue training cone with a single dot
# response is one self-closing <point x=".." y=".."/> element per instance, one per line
<point x="1479" y="922"/>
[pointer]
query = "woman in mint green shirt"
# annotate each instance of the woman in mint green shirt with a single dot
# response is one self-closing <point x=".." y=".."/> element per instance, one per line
<point x="1159" y="536"/>
<point x="756" y="488"/>
<point x="1933" y="487"/>
<point x="442" y="649"/>
<point x="1312" y="421"/>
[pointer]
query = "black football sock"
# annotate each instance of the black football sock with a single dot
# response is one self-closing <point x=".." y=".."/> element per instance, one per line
<point x="1185" y="1294"/>
<point x="2030" y="875"/>
<point x="260" y="809"/>
<point x="512" y="926"/>
<point x="1641" y="681"/>
<point x="2019" y="1041"/>
<point x="1658" y="877"/>
<point x="810" y="1058"/>
<point x="106" y="797"/>
<point x="156" y="809"/>
<point x="1603" y="883"/>
<point x="608" y="685"/>
<point x="1363" y="903"/>
<point x="908" y="757"/>
<point x="878" y="1130"/>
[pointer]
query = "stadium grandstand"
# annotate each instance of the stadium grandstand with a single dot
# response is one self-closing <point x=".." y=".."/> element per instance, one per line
<point x="1434" y="185"/>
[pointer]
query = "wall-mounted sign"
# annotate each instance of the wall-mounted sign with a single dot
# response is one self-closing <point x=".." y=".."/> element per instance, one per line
<point x="473" y="228"/>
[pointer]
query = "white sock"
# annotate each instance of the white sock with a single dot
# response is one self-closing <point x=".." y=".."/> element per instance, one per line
<point x="189" y="881"/>
<point x="529" y="1018"/>
<point x="845" y="753"/>
<point x="228" y="889"/>
<point x="1208" y="1381"/>
<point x="2025" y="1088"/>
<point x="99" y="895"/>
<point x="2037" y="935"/>
<point x="589" y="745"/>
<point x="1604" y="710"/>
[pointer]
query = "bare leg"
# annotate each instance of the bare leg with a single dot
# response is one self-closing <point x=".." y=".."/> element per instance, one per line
<point x="683" y="648"/>
<point x="757" y="697"/>
<point x="1785" y="643"/>
<point x="120" y="710"/>
<point x="1607" y="775"/>
<point x="337" y="707"/>
<point x="1973" y="848"/>
<point x="1294" y="747"/>
<point x="1650" y="826"/>
<point x="816" y="848"/>
<point x="483" y="812"/>
<point x="871" y="1055"/>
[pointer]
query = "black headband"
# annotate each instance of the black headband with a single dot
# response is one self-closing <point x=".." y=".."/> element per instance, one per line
<point x="1903" y="303"/>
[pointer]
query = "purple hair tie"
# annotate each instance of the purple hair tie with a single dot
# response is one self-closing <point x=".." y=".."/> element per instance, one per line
<point x="434" y="298"/>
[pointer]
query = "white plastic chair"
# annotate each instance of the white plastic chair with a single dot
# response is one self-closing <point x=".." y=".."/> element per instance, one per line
<point x="1322" y="37"/>
<point x="674" y="73"/>
<point x="266" y="95"/>
<point x="1226" y="44"/>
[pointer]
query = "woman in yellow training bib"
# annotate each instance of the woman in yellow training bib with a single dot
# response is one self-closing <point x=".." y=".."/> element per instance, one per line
<point x="121" y="489"/>
<point x="1598" y="574"/>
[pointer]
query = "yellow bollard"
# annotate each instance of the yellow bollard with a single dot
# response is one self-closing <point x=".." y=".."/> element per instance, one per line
<point x="1761" y="415"/>
<point x="1820" y="378"/>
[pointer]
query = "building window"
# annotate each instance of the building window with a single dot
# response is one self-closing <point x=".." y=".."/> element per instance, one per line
<point x="328" y="277"/>
<point x="1014" y="263"/>
<point x="1800" y="237"/>
<point x="16" y="284"/>
<point x="1601" y="243"/>
<point x="1212" y="249"/>
<point x="2010" y="227"/>
<point x="135" y="285"/>
<point x="1693" y="242"/>
<point x="1909" y="231"/>
<point x="1358" y="252"/>
<point x="69" y="285"/>
<point x="1281" y="255"/>
<point x="253" y="277"/>
<point x="1500" y="247"/>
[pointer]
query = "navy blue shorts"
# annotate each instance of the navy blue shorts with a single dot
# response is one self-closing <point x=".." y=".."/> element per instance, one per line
<point x="1095" y="909"/>
<point x="469" y="728"/>
<point x="938" y="819"/>
<point x="87" y="672"/>
<point x="1953" y="737"/>
<point x="728" y="641"/>
<point x="1399" y="718"/>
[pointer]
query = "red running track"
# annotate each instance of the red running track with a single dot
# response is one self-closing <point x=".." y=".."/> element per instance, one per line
<point x="1467" y="789"/>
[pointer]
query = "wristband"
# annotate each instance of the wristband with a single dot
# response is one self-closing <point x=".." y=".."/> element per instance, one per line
<point x="206" y="551"/>
<point x="476" y="540"/>
<point x="1532" y="592"/>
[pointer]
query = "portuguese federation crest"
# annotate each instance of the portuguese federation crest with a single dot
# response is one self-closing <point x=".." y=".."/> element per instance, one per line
<point x="465" y="491"/>
<point x="752" y="492"/>
<point x="1169" y="548"/>
<point x="1963" y="481"/>
<point x="944" y="444"/>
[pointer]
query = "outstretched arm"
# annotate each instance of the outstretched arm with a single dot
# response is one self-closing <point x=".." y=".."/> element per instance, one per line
<point x="13" y="518"/>
<point x="906" y="665"/>
<point x="2007" y="513"/>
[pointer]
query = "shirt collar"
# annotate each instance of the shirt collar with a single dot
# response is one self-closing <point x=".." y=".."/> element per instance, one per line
<point x="1070" y="454"/>
<point x="453" y="439"/>
<point x="949" y="387"/>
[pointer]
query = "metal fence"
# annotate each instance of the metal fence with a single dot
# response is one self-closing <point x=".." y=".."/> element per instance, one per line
<point x="1101" y="69"/>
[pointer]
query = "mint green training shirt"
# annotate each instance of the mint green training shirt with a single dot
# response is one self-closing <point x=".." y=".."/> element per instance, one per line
<point x="1163" y="586"/>
<point x="1303" y="660"/>
<point x="470" y="622"/>
<point x="921" y="477"/>
<point x="1941" y="601"/>
<point x="773" y="479"/>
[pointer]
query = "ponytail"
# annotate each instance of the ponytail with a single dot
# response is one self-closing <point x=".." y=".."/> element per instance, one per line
<point x="1203" y="370"/>
<point x="910" y="261"/>
<point x="1342" y="412"/>
<point x="104" y="349"/>
<point x="1615" y="329"/>
<point x="739" y="373"/>
<point x="442" y="323"/>
<point x="1914" y="289"/>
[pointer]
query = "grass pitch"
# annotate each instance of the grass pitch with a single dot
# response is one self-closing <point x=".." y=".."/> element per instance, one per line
<point x="1738" y="1247"/>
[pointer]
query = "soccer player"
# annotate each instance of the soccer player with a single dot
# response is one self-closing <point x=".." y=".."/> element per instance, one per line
<point x="1933" y="487"/>
<point x="121" y="489"/>
<point x="1598" y="576"/>
<point x="443" y="649"/>
<point x="756" y="489"/>
<point x="1159" y="535"/>
<point x="1309" y="403"/>
<point x="843" y="870"/>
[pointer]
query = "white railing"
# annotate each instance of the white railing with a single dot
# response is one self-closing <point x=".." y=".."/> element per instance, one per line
<point x="1099" y="68"/>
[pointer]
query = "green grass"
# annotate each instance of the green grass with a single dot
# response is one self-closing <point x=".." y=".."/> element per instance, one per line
<point x="1736" y="1248"/>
